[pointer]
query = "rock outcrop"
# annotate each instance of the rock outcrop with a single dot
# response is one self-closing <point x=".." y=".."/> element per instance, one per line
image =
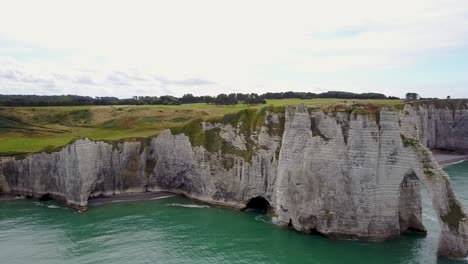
<point x="346" y="175"/>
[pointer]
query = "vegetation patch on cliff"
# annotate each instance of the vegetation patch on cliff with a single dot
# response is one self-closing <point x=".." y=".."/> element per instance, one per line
<point x="371" y="110"/>
<point x="359" y="108"/>
<point x="247" y="124"/>
<point x="454" y="216"/>
<point x="210" y="139"/>
<point x="409" y="141"/>
<point x="247" y="119"/>
<point x="424" y="156"/>
<point x="452" y="104"/>
<point x="275" y="128"/>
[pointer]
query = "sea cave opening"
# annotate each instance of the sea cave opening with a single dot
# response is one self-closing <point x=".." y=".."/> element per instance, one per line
<point x="258" y="203"/>
<point x="45" y="197"/>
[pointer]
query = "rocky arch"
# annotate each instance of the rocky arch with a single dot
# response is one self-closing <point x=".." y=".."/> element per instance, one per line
<point x="451" y="215"/>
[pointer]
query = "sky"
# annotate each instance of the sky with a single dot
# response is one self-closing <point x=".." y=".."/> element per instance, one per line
<point x="206" y="47"/>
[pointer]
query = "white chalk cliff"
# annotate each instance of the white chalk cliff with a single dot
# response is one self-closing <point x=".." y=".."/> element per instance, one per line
<point x="349" y="174"/>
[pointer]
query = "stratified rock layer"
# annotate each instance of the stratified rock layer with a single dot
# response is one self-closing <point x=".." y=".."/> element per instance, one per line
<point x="345" y="175"/>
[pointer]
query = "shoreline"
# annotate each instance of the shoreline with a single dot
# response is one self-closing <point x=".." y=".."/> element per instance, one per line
<point x="130" y="197"/>
<point x="445" y="158"/>
<point x="8" y="197"/>
<point x="96" y="201"/>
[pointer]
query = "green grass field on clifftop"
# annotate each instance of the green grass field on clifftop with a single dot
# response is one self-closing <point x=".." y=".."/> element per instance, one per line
<point x="32" y="129"/>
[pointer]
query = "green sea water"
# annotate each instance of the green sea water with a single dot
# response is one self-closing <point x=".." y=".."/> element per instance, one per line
<point x="178" y="230"/>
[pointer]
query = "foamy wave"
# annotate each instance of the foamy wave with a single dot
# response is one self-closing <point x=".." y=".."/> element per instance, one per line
<point x="430" y="217"/>
<point x="120" y="201"/>
<point x="261" y="218"/>
<point x="188" y="205"/>
<point x="52" y="206"/>
<point x="162" y="197"/>
<point x="453" y="163"/>
<point x="275" y="220"/>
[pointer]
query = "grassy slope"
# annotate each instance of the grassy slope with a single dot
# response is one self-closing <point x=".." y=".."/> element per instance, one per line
<point x="30" y="129"/>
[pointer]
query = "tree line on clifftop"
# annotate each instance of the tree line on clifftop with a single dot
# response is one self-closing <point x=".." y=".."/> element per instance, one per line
<point x="221" y="99"/>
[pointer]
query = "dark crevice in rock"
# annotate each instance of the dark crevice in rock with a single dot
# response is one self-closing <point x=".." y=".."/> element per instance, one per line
<point x="316" y="131"/>
<point x="315" y="232"/>
<point x="345" y="131"/>
<point x="150" y="165"/>
<point x="415" y="230"/>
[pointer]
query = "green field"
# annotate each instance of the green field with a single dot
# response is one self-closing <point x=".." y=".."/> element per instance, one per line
<point x="31" y="129"/>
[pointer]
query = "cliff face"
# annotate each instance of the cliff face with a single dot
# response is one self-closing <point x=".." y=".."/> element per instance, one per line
<point x="345" y="175"/>
<point x="443" y="128"/>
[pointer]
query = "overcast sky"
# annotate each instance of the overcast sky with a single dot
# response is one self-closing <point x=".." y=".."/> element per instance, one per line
<point x="126" y="48"/>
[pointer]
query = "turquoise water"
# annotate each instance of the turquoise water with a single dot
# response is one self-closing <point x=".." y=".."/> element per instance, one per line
<point x="177" y="230"/>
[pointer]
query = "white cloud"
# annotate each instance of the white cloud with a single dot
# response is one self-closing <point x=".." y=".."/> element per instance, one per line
<point x="123" y="47"/>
